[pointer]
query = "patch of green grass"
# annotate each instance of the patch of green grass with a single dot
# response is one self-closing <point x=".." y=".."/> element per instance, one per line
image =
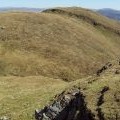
<point x="20" y="96"/>
<point x="92" y="91"/>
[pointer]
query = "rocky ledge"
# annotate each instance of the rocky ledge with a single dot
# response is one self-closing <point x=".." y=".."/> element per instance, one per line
<point x="69" y="105"/>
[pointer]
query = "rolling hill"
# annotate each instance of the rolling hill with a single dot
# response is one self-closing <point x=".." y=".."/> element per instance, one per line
<point x="43" y="54"/>
<point x="65" y="43"/>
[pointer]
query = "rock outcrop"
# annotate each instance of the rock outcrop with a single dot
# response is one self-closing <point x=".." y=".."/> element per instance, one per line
<point x="69" y="105"/>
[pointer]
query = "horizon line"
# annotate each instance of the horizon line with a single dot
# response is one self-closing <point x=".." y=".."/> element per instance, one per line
<point x="55" y="7"/>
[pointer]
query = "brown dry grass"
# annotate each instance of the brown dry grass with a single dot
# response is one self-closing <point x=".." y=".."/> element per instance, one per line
<point x="37" y="47"/>
<point x="55" y="45"/>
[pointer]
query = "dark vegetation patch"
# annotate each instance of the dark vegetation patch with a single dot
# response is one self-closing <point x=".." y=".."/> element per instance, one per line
<point x="100" y="102"/>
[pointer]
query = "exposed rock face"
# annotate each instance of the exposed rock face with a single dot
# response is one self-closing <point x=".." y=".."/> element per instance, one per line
<point x="67" y="106"/>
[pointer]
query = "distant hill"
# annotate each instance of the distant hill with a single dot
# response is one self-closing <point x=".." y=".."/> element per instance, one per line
<point x="20" y="9"/>
<point x="114" y="14"/>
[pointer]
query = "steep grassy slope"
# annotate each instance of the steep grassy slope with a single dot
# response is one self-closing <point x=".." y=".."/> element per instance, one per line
<point x="56" y="44"/>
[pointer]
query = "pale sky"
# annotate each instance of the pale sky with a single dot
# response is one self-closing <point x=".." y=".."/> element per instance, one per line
<point x="94" y="4"/>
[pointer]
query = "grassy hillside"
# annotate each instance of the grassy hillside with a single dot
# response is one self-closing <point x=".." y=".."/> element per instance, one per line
<point x="102" y="93"/>
<point x="39" y="52"/>
<point x="19" y="96"/>
<point x="88" y="16"/>
<point x="65" y="43"/>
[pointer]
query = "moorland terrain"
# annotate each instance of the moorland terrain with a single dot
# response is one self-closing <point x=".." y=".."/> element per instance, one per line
<point x="43" y="54"/>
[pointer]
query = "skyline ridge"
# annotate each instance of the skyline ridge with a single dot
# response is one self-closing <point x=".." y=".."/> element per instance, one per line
<point x="94" y="4"/>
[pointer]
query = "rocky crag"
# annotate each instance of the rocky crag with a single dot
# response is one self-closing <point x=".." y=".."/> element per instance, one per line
<point x="67" y="106"/>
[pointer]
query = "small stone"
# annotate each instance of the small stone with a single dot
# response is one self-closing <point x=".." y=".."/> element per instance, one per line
<point x="45" y="117"/>
<point x="4" y="118"/>
<point x="67" y="97"/>
<point x="1" y="27"/>
<point x="117" y="72"/>
<point x="37" y="111"/>
<point x="55" y="109"/>
<point x="75" y="93"/>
